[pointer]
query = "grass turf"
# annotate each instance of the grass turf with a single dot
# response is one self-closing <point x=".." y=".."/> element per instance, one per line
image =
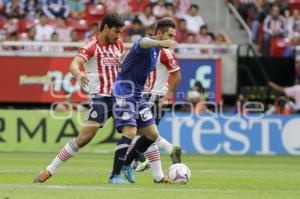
<point x="86" y="175"/>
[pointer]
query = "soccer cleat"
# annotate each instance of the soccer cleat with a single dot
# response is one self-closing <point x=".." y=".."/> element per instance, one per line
<point x="42" y="177"/>
<point x="117" y="179"/>
<point x="164" y="180"/>
<point x="128" y="173"/>
<point x="176" y="154"/>
<point x="142" y="166"/>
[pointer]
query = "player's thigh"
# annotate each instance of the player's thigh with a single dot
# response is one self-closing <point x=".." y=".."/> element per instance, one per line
<point x="129" y="131"/>
<point x="151" y="131"/>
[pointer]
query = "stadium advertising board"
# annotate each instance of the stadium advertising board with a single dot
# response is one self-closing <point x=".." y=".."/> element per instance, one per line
<point x="233" y="135"/>
<point x="47" y="131"/>
<point x="47" y="79"/>
<point x="207" y="71"/>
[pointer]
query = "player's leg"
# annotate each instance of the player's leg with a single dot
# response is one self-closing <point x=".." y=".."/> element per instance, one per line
<point x="124" y="116"/>
<point x="172" y="150"/>
<point x="69" y="150"/>
<point x="149" y="135"/>
<point x="100" y="110"/>
<point x="128" y="132"/>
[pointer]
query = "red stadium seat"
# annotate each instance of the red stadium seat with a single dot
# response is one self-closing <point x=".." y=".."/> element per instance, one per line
<point x="2" y="23"/>
<point x="81" y="24"/>
<point x="25" y="24"/>
<point x="277" y="46"/>
<point x="95" y="13"/>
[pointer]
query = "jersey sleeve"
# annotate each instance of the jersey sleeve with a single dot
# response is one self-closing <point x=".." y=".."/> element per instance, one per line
<point x="87" y="51"/>
<point x="168" y="59"/>
<point x="137" y="46"/>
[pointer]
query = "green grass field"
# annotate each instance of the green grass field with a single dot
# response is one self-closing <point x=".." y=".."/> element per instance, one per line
<point x="85" y="176"/>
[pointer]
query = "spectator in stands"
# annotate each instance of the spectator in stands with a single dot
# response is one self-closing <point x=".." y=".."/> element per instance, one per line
<point x="62" y="30"/>
<point x="56" y="8"/>
<point x="90" y="33"/>
<point x="204" y="37"/>
<point x="147" y="18"/>
<point x="194" y="21"/>
<point x="53" y="49"/>
<point x="260" y="11"/>
<point x="29" y="35"/>
<point x="11" y="26"/>
<point x="181" y="31"/>
<point x="12" y="37"/>
<point x="2" y="8"/>
<point x="239" y="107"/>
<point x="43" y="30"/>
<point x="282" y="106"/>
<point x="181" y="6"/>
<point x="138" y="6"/>
<point x="122" y="7"/>
<point x="77" y="8"/>
<point x="32" y="8"/>
<point x="283" y="5"/>
<point x="244" y="7"/>
<point x="136" y="31"/>
<point x="74" y="38"/>
<point x="274" y="26"/>
<point x="222" y="39"/>
<point x="170" y="11"/>
<point x="159" y="10"/>
<point x="190" y="39"/>
<point x="14" y="9"/>
<point x="293" y="25"/>
<point x="196" y="96"/>
<point x="293" y="91"/>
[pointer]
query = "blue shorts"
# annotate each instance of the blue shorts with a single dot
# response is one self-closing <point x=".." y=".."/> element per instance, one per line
<point x="100" y="109"/>
<point x="132" y="111"/>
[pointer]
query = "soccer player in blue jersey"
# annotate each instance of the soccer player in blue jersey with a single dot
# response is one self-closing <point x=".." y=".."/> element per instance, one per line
<point x="131" y="111"/>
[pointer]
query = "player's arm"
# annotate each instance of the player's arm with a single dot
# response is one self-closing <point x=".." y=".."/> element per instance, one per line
<point x="150" y="43"/>
<point x="175" y="79"/>
<point x="75" y="66"/>
<point x="276" y="87"/>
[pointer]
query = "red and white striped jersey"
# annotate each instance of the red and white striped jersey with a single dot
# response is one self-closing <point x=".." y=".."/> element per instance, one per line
<point x="102" y="64"/>
<point x="157" y="81"/>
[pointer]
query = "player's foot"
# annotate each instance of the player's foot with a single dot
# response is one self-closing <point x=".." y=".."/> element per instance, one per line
<point x="128" y="173"/>
<point x="163" y="180"/>
<point x="117" y="179"/>
<point x="176" y="154"/>
<point x="42" y="177"/>
<point x="142" y="166"/>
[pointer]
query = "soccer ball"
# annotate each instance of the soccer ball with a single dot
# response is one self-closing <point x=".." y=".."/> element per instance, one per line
<point x="179" y="174"/>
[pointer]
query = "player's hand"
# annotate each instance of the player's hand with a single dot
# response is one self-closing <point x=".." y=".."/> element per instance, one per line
<point x="83" y="80"/>
<point x="169" y="43"/>
<point x="163" y="101"/>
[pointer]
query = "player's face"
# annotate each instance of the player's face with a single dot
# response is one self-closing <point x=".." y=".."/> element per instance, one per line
<point x="169" y="34"/>
<point x="114" y="34"/>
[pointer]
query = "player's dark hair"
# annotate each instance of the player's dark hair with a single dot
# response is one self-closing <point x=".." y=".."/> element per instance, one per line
<point x="164" y="24"/>
<point x="112" y="19"/>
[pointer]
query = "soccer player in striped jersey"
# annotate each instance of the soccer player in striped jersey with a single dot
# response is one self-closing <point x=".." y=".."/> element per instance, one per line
<point x="100" y="56"/>
<point x="131" y="112"/>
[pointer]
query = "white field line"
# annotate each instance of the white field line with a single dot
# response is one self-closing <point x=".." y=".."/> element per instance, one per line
<point x="108" y="188"/>
<point x="82" y="188"/>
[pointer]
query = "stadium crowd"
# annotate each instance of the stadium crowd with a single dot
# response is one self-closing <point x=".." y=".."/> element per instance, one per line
<point x="275" y="24"/>
<point x="75" y="20"/>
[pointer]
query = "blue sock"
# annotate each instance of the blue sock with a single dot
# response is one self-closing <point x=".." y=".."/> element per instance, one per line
<point x="120" y="153"/>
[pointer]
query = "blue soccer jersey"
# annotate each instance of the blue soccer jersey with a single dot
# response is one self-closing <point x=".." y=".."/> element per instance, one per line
<point x="135" y="69"/>
<point x="130" y="108"/>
